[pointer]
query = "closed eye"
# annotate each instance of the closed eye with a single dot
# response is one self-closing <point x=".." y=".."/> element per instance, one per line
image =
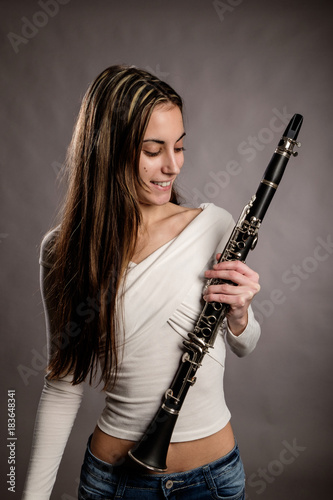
<point x="150" y="154"/>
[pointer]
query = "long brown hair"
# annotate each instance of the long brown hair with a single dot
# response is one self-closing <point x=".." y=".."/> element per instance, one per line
<point x="100" y="219"/>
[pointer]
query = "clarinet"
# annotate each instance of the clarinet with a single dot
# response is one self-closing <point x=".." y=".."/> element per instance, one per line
<point x="151" y="451"/>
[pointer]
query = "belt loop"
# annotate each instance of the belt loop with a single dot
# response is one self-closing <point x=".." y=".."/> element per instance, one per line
<point x="208" y="476"/>
<point x="121" y="485"/>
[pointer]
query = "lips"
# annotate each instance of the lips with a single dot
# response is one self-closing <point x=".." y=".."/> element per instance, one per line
<point x="162" y="184"/>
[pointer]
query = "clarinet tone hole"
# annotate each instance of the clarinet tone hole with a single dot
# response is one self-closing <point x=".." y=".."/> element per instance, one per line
<point x="206" y="332"/>
<point x="217" y="306"/>
<point x="211" y="320"/>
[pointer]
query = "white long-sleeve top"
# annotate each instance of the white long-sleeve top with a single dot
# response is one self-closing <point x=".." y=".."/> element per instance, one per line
<point x="162" y="301"/>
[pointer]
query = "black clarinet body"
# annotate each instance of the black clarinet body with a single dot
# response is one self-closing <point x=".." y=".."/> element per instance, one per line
<point x="151" y="451"/>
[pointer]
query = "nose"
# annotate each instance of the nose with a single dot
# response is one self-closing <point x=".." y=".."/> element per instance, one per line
<point x="173" y="163"/>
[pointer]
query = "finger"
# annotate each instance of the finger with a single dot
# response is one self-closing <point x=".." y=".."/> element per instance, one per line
<point x="218" y="293"/>
<point x="227" y="289"/>
<point x="235" y="301"/>
<point x="234" y="277"/>
<point x="232" y="268"/>
<point x="238" y="266"/>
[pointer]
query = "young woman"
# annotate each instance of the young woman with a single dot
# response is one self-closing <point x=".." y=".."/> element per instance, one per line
<point x="122" y="280"/>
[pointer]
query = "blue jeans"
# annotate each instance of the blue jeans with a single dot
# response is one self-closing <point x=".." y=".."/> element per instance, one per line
<point x="223" y="479"/>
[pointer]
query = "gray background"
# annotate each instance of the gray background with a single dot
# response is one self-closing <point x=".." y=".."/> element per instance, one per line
<point x="236" y="70"/>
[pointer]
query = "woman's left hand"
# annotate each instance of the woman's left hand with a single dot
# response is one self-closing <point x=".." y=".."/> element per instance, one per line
<point x="238" y="297"/>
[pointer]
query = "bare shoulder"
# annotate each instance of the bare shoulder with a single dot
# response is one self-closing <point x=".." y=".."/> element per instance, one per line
<point x="182" y="216"/>
<point x="178" y="211"/>
<point x="163" y="229"/>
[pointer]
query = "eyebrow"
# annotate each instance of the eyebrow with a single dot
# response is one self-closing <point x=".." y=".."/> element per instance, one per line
<point x="163" y="142"/>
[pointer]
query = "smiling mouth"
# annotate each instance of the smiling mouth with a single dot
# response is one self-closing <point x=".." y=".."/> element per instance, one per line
<point x="163" y="184"/>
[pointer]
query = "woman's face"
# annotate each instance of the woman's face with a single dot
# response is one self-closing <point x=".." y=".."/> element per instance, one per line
<point x="162" y="155"/>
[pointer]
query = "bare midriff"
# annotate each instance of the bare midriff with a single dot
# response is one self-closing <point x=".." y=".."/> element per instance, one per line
<point x="181" y="456"/>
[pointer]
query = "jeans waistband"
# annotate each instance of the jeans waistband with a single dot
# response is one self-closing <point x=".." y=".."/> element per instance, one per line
<point x="214" y="467"/>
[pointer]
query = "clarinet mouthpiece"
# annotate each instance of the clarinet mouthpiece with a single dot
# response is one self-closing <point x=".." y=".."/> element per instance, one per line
<point x="289" y="139"/>
<point x="293" y="127"/>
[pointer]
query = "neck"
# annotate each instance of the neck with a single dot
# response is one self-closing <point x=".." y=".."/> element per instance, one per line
<point x="153" y="213"/>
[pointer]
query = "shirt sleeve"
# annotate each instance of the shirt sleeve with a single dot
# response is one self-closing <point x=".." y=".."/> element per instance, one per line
<point x="58" y="407"/>
<point x="244" y="343"/>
